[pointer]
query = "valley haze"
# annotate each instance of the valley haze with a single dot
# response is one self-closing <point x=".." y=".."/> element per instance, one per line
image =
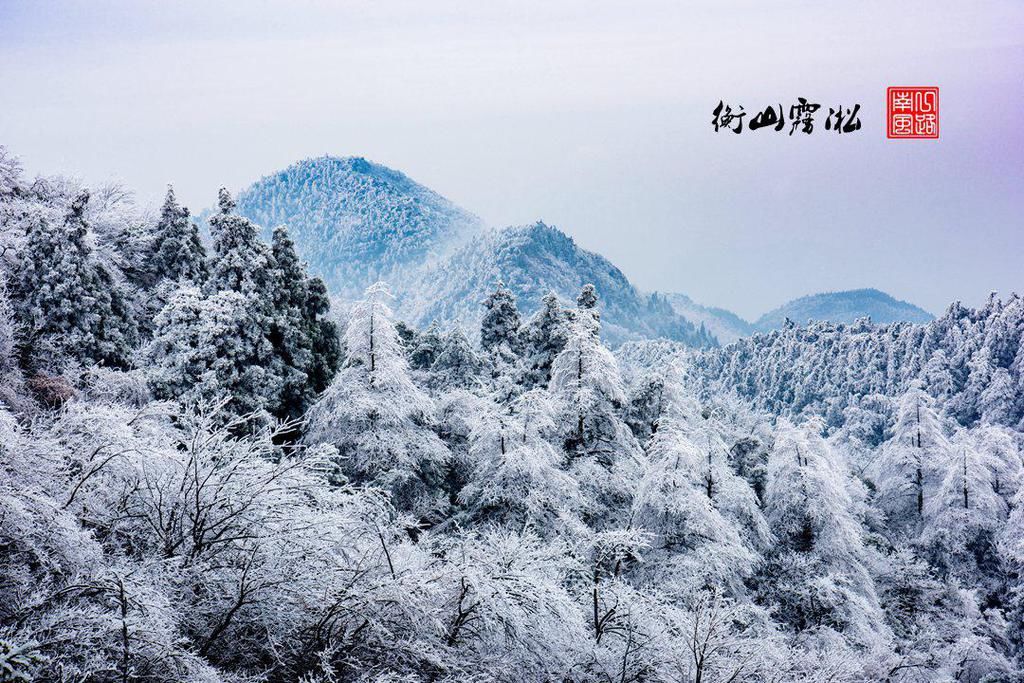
<point x="357" y="222"/>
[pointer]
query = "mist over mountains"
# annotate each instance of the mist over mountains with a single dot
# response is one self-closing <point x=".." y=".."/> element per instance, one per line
<point x="844" y="307"/>
<point x="356" y="222"/>
<point x="836" y="307"/>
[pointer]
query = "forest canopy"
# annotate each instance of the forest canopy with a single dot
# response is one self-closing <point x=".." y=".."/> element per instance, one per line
<point x="211" y="474"/>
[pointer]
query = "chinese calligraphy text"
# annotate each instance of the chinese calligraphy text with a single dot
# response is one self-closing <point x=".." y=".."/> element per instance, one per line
<point x="800" y="118"/>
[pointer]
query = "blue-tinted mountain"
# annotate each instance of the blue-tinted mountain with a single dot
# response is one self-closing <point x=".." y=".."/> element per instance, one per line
<point x="843" y="307"/>
<point x="356" y="222"/>
<point x="533" y="260"/>
<point x="725" y="325"/>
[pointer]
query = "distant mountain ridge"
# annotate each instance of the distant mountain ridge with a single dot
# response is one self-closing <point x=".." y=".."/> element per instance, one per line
<point x="725" y="325"/>
<point x="533" y="260"/>
<point x="356" y="222"/>
<point x="838" y="307"/>
<point x="844" y="307"/>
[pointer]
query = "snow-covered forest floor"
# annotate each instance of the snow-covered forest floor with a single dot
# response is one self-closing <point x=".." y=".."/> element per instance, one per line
<point x="206" y="474"/>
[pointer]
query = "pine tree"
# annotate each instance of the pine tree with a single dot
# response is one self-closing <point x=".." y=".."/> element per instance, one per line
<point x="515" y="477"/>
<point x="305" y="344"/>
<point x="176" y="252"/>
<point x="205" y="349"/>
<point x="457" y="365"/>
<point x="587" y="299"/>
<point x="966" y="406"/>
<point x="428" y="345"/>
<point x="12" y="184"/>
<point x="11" y="378"/>
<point x="600" y="450"/>
<point x="377" y="418"/>
<point x="407" y="335"/>
<point x="283" y="303"/>
<point x="936" y="376"/>
<point x="816" y="572"/>
<point x="499" y="329"/>
<point x="69" y="304"/>
<point x="586" y="383"/>
<point x="241" y="261"/>
<point x="544" y="338"/>
<point x="646" y="405"/>
<point x="912" y="460"/>
<point x="967" y="509"/>
<point x="324" y="334"/>
<point x="997" y="402"/>
<point x="705" y="518"/>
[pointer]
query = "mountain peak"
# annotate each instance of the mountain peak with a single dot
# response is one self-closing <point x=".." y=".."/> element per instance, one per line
<point x="356" y="221"/>
<point x="535" y="259"/>
<point x="333" y="166"/>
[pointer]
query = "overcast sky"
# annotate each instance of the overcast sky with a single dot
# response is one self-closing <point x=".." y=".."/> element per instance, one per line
<point x="593" y="116"/>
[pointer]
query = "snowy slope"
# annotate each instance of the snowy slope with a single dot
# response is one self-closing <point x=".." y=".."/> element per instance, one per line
<point x="533" y="260"/>
<point x="838" y="307"/>
<point x="844" y="307"/>
<point x="725" y="325"/>
<point x="357" y="222"/>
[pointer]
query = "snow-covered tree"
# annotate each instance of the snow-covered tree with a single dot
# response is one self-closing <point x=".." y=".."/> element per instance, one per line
<point x="816" y="573"/>
<point x="544" y="337"/>
<point x="868" y="420"/>
<point x="305" y="343"/>
<point x="938" y="380"/>
<point x="500" y="327"/>
<point x="698" y="510"/>
<point x="489" y="514"/>
<point x="913" y="460"/>
<point x="377" y="418"/>
<point x="586" y="384"/>
<point x="176" y="252"/>
<point x="457" y="365"/>
<point x="70" y="305"/>
<point x="516" y="476"/>
<point x="587" y="299"/>
<point x="241" y="262"/>
<point x="506" y="607"/>
<point x="599" y="448"/>
<point x="207" y="348"/>
<point x="646" y="405"/>
<point x="11" y="380"/>
<point x="965" y="512"/>
<point x="428" y="346"/>
<point x="997" y="403"/>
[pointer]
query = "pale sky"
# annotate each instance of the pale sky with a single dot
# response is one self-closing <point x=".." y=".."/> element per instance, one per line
<point x="593" y="116"/>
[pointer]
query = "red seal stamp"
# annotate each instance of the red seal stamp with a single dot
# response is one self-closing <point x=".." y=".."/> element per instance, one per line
<point x="913" y="112"/>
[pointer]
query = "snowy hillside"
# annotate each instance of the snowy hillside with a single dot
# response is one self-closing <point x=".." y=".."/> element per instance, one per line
<point x="725" y="325"/>
<point x="206" y="480"/>
<point x="844" y="307"/>
<point x="355" y="221"/>
<point x="533" y="260"/>
<point x="835" y="307"/>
